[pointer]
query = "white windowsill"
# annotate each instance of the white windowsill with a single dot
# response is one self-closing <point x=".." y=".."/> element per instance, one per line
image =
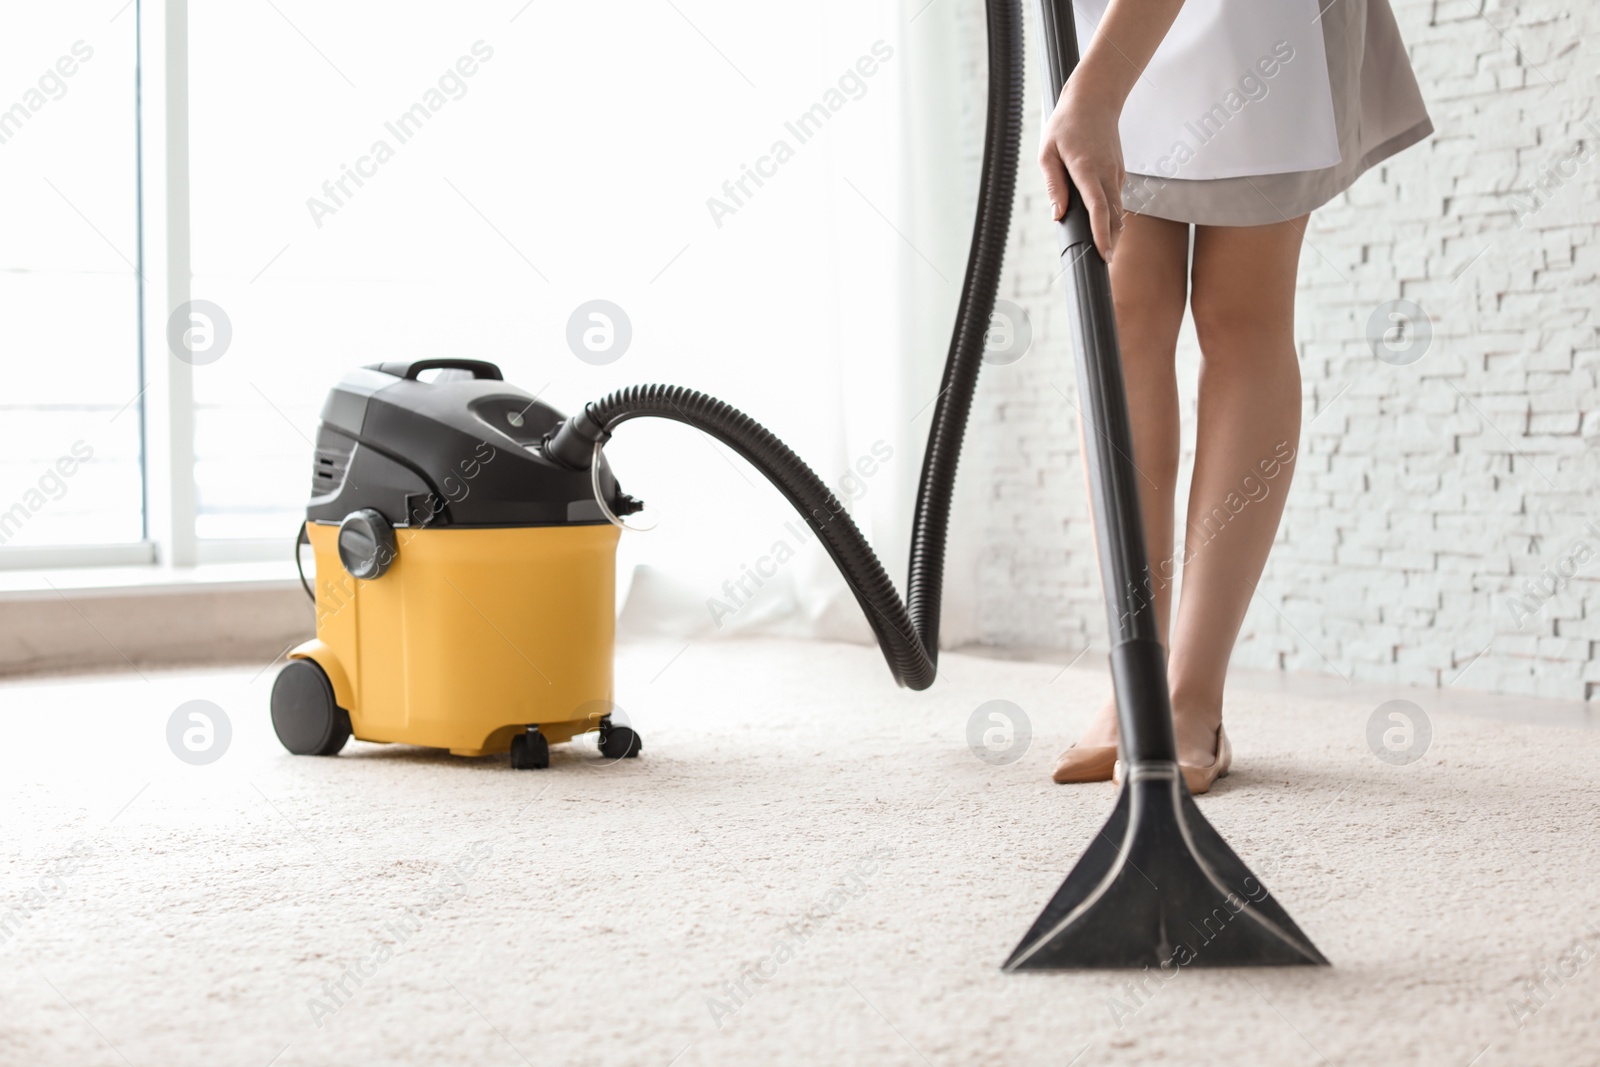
<point x="22" y="585"/>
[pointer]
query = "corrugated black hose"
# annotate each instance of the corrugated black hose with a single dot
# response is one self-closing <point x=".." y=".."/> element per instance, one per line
<point x="907" y="632"/>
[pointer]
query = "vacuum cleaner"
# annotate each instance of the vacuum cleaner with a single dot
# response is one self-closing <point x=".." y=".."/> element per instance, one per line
<point x="465" y="593"/>
<point x="465" y="537"/>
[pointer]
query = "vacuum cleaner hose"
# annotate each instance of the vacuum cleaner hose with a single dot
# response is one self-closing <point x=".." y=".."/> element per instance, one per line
<point x="908" y="632"/>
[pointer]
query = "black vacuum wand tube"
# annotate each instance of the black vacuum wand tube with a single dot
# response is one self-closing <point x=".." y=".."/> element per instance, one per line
<point x="1138" y="660"/>
<point x="1158" y="885"/>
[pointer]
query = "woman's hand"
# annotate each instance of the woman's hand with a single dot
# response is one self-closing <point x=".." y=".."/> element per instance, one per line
<point x="1081" y="138"/>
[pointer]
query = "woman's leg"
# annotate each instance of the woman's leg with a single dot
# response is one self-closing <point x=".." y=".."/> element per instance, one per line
<point x="1149" y="286"/>
<point x="1246" y="440"/>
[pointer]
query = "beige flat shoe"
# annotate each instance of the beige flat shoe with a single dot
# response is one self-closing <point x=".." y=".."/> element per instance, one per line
<point x="1198" y="779"/>
<point x="1085" y="764"/>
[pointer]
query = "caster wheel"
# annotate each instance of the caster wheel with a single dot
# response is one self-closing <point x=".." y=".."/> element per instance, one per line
<point x="620" y="742"/>
<point x="530" y="751"/>
<point x="304" y="715"/>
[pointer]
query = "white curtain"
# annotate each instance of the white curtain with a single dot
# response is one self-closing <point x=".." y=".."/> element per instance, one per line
<point x="835" y="295"/>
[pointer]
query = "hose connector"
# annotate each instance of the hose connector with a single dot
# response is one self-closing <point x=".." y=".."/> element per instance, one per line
<point x="573" y="443"/>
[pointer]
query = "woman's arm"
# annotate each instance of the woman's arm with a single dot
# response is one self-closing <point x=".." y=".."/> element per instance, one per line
<point x="1080" y="137"/>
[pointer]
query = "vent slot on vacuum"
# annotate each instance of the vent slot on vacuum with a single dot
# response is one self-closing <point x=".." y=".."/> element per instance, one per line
<point x="331" y="462"/>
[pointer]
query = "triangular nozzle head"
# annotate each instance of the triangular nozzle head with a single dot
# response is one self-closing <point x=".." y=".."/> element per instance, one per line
<point x="1159" y="887"/>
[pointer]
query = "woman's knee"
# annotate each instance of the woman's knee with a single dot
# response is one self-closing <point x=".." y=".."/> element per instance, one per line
<point x="1242" y="297"/>
<point x="1232" y="323"/>
<point x="1220" y="313"/>
<point x="1149" y="314"/>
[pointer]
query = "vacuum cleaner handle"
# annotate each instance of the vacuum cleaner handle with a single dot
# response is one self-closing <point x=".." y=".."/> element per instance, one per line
<point x="1138" y="660"/>
<point x="1058" y="30"/>
<point x="409" y="369"/>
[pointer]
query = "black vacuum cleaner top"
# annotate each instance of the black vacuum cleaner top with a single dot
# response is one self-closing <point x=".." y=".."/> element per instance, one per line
<point x="461" y="450"/>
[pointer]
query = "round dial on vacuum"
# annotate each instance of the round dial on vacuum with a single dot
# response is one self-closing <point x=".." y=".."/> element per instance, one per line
<point x="366" y="543"/>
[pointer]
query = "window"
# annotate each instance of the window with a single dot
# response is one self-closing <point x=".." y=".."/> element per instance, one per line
<point x="69" y="377"/>
<point x="454" y="182"/>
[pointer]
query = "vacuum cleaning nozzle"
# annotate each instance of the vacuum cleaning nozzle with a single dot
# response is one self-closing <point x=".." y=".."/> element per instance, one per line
<point x="1159" y="887"/>
<point x="572" y="443"/>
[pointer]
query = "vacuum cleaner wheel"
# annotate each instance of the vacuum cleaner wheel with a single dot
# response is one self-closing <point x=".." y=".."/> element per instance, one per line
<point x="305" y="715"/>
<point x="620" y="742"/>
<point x="530" y="751"/>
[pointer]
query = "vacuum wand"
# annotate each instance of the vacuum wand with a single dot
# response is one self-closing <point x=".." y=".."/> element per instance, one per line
<point x="1157" y="886"/>
<point x="1138" y="659"/>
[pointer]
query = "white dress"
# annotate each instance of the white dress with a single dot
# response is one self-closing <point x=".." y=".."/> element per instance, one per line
<point x="1257" y="111"/>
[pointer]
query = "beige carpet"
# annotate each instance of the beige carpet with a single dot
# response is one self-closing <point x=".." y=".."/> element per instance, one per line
<point x="156" y="913"/>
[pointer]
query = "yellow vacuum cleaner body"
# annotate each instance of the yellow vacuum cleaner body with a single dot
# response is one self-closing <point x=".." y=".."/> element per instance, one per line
<point x="465" y="585"/>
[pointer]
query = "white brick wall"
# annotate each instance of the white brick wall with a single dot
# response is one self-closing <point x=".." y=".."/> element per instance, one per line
<point x="1426" y="495"/>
